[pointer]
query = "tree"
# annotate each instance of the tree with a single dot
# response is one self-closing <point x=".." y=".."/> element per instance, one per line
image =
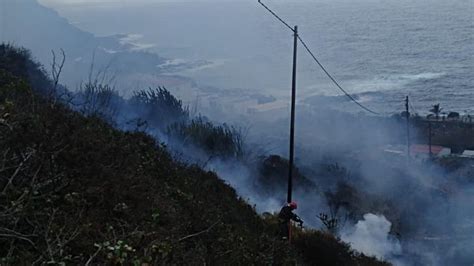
<point x="436" y="110"/>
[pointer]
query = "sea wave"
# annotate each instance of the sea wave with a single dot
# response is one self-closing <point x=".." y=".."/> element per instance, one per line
<point x="391" y="82"/>
<point x="368" y="88"/>
<point x="183" y="66"/>
<point x="131" y="41"/>
<point x="420" y="76"/>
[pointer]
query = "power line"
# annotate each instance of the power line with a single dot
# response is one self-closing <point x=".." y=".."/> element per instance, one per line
<point x="317" y="61"/>
<point x="293" y="109"/>
<point x="333" y="79"/>
<point x="276" y="16"/>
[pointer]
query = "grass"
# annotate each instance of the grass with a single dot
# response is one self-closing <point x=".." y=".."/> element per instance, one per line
<point x="75" y="190"/>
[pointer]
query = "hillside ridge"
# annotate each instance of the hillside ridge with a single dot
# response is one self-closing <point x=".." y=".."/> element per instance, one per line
<point x="75" y="190"/>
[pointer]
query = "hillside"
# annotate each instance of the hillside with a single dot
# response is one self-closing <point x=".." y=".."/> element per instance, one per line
<point x="30" y="24"/>
<point x="75" y="190"/>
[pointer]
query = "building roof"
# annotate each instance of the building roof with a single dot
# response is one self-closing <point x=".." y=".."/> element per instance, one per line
<point x="425" y="149"/>
<point x="468" y="153"/>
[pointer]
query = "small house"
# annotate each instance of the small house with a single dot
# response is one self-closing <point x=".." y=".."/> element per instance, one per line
<point x="468" y="154"/>
<point x="423" y="151"/>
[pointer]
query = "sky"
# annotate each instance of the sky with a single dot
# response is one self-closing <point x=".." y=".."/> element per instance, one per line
<point x="64" y="2"/>
<point x="95" y="1"/>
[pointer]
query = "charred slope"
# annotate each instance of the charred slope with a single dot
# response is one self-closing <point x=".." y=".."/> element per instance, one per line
<point x="75" y="190"/>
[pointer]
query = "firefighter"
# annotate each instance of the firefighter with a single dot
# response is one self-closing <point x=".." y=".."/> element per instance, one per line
<point x="285" y="216"/>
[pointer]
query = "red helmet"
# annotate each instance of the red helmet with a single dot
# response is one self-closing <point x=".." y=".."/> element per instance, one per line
<point x="293" y="205"/>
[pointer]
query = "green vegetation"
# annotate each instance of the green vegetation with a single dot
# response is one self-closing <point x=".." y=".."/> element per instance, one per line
<point x="96" y="99"/>
<point x="159" y="107"/>
<point x="356" y="203"/>
<point x="322" y="248"/>
<point x="436" y="110"/>
<point x="74" y="187"/>
<point x="221" y="140"/>
<point x="75" y="190"/>
<point x="18" y="62"/>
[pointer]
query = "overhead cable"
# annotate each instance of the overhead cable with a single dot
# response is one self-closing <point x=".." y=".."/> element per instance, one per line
<point x="317" y="61"/>
<point x="333" y="79"/>
<point x="276" y="16"/>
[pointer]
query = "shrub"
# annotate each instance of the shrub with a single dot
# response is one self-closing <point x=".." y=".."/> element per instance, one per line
<point x="221" y="140"/>
<point x="159" y="107"/>
<point x="95" y="99"/>
<point x="74" y="190"/>
<point x="18" y="62"/>
<point x="320" y="248"/>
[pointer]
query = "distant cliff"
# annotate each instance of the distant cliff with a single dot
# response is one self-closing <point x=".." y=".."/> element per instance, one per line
<point x="27" y="23"/>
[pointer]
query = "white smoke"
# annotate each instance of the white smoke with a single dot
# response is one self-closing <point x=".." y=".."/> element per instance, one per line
<point x="371" y="237"/>
<point x="242" y="179"/>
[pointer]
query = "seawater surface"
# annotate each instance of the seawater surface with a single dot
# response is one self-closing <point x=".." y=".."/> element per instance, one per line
<point x="379" y="51"/>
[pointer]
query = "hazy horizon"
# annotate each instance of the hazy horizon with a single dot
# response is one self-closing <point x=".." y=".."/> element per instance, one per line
<point x="380" y="51"/>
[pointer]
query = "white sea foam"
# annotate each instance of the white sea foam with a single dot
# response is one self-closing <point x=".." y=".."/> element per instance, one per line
<point x="183" y="66"/>
<point x="375" y="84"/>
<point x="172" y="62"/>
<point x="132" y="40"/>
<point x="109" y="51"/>
<point x="426" y="75"/>
<point x="389" y="82"/>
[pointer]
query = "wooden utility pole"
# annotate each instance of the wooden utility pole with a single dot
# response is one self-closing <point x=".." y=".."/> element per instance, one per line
<point x="429" y="138"/>
<point x="407" y="111"/>
<point x="292" y="126"/>
<point x="292" y="119"/>
<point x="293" y="110"/>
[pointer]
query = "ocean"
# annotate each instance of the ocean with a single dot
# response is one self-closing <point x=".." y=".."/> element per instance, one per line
<point x="379" y="51"/>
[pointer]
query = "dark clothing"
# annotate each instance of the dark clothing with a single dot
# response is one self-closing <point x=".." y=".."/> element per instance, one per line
<point x="284" y="229"/>
<point x="286" y="214"/>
